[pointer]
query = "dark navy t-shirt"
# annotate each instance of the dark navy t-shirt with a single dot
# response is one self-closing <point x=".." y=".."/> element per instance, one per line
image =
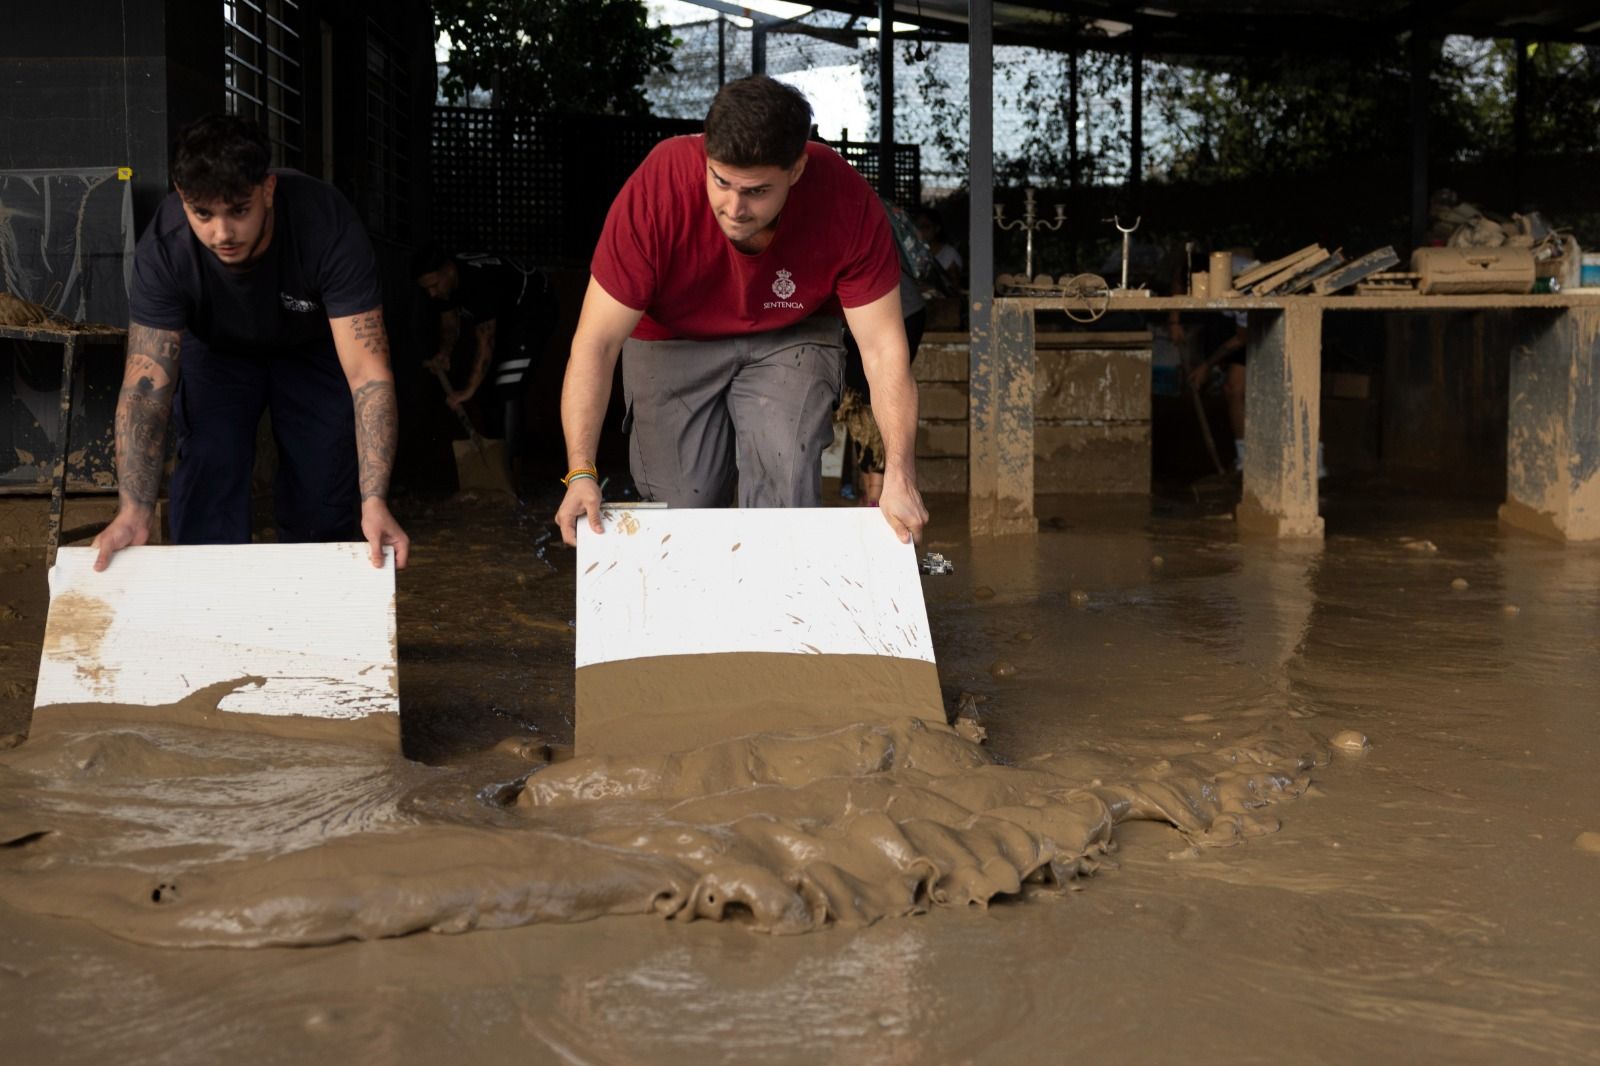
<point x="492" y="287"/>
<point x="319" y="266"/>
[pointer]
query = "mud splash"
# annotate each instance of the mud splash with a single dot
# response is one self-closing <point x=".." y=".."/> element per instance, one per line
<point x="164" y="832"/>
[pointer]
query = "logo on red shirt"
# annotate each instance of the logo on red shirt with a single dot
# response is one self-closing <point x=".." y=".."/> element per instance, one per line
<point x="783" y="288"/>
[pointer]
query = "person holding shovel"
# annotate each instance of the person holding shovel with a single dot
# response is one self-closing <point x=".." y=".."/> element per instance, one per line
<point x="262" y="286"/>
<point x="719" y="279"/>
<point x="510" y="308"/>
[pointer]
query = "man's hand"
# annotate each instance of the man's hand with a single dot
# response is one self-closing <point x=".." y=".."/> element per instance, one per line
<point x="456" y="399"/>
<point x="582" y="499"/>
<point x="1198" y="376"/>
<point x="131" y="526"/>
<point x="381" y="530"/>
<point x="901" y="505"/>
<point x="440" y="362"/>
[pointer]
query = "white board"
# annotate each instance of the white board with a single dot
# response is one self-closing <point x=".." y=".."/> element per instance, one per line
<point x="316" y="622"/>
<point x="808" y="581"/>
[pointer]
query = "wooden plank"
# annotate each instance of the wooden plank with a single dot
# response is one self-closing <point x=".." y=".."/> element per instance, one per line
<point x="1301" y="282"/>
<point x="1273" y="280"/>
<point x="1348" y="275"/>
<point x="312" y="624"/>
<point x="698" y="625"/>
<point x="1263" y="270"/>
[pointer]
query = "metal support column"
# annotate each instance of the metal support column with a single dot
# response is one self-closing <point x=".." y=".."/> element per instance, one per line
<point x="886" y="100"/>
<point x="1519" y="123"/>
<point x="758" y="48"/>
<point x="1419" y="134"/>
<point x="1000" y="359"/>
<point x="1136" y="120"/>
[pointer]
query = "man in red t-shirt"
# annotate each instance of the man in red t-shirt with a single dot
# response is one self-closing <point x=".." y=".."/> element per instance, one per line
<point x="719" y="278"/>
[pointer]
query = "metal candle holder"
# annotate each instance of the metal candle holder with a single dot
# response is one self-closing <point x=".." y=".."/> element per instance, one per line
<point x="1029" y="223"/>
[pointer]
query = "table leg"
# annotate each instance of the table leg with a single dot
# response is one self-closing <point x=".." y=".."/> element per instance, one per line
<point x="1282" y="423"/>
<point x="1000" y="445"/>
<point x="1553" y="430"/>
<point x="58" y="484"/>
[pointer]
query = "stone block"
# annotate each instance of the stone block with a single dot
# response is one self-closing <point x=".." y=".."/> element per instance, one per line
<point x="942" y="400"/>
<point x="1098" y="384"/>
<point x="940" y="439"/>
<point x="942" y="475"/>
<point x="1092" y="458"/>
<point x="941" y="361"/>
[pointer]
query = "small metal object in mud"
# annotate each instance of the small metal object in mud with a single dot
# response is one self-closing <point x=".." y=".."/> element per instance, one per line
<point x="934" y="564"/>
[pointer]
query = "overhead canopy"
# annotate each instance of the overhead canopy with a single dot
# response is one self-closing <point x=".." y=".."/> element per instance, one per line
<point x="1239" y="27"/>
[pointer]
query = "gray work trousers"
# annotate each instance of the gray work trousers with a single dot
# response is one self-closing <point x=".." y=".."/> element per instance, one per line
<point x="756" y="411"/>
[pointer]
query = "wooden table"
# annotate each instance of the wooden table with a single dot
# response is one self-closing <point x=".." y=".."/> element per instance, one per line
<point x="69" y="339"/>
<point x="1553" y="445"/>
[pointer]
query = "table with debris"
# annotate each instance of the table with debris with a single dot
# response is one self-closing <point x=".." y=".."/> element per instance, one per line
<point x="1553" y="445"/>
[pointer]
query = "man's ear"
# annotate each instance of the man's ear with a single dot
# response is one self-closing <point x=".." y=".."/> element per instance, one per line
<point x="268" y="186"/>
<point x="798" y="168"/>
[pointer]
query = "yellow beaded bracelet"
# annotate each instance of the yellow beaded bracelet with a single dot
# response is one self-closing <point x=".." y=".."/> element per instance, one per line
<point x="581" y="472"/>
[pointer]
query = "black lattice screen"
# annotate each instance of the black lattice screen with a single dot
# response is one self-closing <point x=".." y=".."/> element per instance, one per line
<point x="540" y="185"/>
<point x="863" y="155"/>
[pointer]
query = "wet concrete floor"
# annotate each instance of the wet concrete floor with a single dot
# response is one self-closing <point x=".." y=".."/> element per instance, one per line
<point x="1432" y="897"/>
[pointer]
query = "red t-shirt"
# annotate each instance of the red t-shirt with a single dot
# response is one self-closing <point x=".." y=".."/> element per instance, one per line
<point x="662" y="251"/>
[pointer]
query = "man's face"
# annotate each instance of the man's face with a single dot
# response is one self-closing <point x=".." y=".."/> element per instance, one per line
<point x="746" y="200"/>
<point x="439" y="284"/>
<point x="234" y="231"/>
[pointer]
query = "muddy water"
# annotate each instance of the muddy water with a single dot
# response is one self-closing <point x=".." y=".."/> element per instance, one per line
<point x="1171" y="689"/>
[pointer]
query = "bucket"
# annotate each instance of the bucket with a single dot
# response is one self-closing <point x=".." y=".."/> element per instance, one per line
<point x="1590" y="277"/>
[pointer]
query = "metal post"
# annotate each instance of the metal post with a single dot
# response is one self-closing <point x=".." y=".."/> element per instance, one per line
<point x="722" y="50"/>
<point x="1072" y="109"/>
<point x="758" y="49"/>
<point x="58" y="481"/>
<point x="1419" y="136"/>
<point x="886" y="99"/>
<point x="1136" y="120"/>
<point x="1519" y="121"/>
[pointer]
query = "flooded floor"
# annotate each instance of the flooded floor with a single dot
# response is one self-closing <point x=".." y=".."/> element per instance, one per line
<point x="1432" y="896"/>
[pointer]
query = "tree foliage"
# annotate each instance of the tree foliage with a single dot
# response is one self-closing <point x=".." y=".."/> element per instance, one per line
<point x="575" y="56"/>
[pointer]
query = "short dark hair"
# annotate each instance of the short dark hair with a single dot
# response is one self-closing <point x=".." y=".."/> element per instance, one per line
<point x="427" y="259"/>
<point x="757" y="122"/>
<point x="220" y="157"/>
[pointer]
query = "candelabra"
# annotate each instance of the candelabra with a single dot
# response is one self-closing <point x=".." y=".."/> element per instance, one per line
<point x="1030" y="223"/>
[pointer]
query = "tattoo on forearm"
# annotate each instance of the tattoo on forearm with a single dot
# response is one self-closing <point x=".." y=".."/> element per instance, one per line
<point x="377" y="430"/>
<point x="370" y="334"/>
<point x="143" y="408"/>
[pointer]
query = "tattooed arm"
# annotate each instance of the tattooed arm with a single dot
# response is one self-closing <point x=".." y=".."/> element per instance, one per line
<point x="363" y="348"/>
<point x="484" y="337"/>
<point x="449" y="334"/>
<point x="148" y="379"/>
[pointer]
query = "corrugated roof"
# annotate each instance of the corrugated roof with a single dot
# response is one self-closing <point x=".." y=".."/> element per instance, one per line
<point x="1234" y="27"/>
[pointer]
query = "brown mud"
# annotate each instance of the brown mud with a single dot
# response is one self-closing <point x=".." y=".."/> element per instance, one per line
<point x="1429" y="894"/>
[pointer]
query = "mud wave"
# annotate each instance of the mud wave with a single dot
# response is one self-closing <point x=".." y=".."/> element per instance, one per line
<point x="170" y="835"/>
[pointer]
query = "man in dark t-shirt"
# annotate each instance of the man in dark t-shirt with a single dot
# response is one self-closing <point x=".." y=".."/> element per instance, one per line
<point x="263" y="286"/>
<point x="510" y="309"/>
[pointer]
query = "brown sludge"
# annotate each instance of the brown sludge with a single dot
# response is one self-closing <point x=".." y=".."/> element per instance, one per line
<point x="668" y="703"/>
<point x="1428" y="897"/>
<point x="790" y="831"/>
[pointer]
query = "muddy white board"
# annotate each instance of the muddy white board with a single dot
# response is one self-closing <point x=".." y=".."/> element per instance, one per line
<point x="697" y="625"/>
<point x="313" y="626"/>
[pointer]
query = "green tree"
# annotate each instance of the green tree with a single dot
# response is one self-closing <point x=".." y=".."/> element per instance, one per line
<point x="576" y="56"/>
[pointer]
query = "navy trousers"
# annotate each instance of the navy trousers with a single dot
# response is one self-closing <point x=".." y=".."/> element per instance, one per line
<point x="216" y="411"/>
